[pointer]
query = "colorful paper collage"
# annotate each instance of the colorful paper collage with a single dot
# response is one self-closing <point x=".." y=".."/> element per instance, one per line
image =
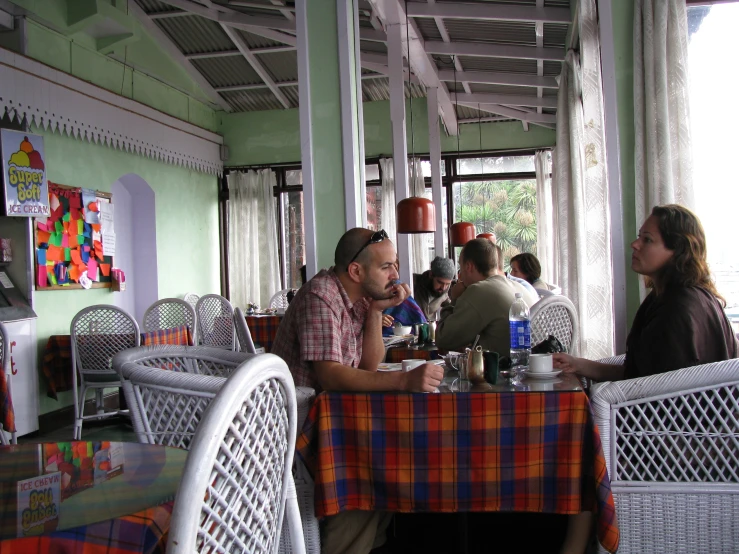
<point x="65" y="249"/>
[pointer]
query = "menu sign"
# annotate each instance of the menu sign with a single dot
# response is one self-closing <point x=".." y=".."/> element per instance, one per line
<point x="24" y="174"/>
<point x="38" y="503"/>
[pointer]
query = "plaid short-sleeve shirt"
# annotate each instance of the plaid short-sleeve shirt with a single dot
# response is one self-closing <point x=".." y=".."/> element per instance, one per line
<point x="321" y="324"/>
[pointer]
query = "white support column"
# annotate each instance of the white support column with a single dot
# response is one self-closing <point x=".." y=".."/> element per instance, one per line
<point x="360" y="122"/>
<point x="432" y="98"/>
<point x="613" y="161"/>
<point x="400" y="147"/>
<point x="353" y="164"/>
<point x="306" y="139"/>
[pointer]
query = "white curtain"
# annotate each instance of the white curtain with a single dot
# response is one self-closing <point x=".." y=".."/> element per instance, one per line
<point x="663" y="152"/>
<point x="419" y="241"/>
<point x="254" y="267"/>
<point x="387" y="216"/>
<point x="580" y="193"/>
<point x="545" y="229"/>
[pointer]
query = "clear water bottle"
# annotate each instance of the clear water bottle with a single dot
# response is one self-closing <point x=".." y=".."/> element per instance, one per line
<point x="518" y="320"/>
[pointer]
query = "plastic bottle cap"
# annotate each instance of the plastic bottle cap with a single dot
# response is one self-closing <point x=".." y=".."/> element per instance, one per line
<point x="519" y="295"/>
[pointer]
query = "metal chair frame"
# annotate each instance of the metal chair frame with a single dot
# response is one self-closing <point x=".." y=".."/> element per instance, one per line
<point x="97" y="334"/>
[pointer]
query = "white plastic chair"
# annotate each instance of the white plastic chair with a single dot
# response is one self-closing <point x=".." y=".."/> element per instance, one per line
<point x="237" y="483"/>
<point x="168" y="313"/>
<point x="4" y="361"/>
<point x="279" y="300"/>
<point x="246" y="344"/>
<point x="671" y="443"/>
<point x="555" y="315"/>
<point x="98" y="333"/>
<point x="215" y="320"/>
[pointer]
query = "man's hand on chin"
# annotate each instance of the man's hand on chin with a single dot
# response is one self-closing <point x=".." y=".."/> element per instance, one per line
<point x="398" y="293"/>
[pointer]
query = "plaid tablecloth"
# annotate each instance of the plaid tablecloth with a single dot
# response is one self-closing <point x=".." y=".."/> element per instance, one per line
<point x="528" y="452"/>
<point x="7" y="415"/>
<point x="263" y="329"/>
<point x="176" y="335"/>
<point x="143" y="532"/>
<point x="56" y="365"/>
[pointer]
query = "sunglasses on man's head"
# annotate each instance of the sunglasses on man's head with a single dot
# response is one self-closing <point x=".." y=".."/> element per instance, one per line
<point x="376" y="237"/>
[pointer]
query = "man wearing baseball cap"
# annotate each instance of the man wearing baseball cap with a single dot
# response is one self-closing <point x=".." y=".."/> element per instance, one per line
<point x="430" y="288"/>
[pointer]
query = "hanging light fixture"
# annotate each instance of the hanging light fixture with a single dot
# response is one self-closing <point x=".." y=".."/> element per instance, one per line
<point x="462" y="232"/>
<point x="414" y="214"/>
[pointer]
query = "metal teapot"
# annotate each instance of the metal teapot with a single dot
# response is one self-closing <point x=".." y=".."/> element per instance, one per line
<point x="475" y="365"/>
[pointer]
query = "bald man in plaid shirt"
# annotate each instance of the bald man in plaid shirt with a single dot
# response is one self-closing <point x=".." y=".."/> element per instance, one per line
<point x="331" y="339"/>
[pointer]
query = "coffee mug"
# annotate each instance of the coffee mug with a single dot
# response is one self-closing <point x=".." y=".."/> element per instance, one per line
<point x="407" y="365"/>
<point x="540" y="363"/>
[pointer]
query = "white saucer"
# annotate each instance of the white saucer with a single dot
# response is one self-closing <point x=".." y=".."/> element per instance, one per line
<point x="548" y="375"/>
<point x="389" y="367"/>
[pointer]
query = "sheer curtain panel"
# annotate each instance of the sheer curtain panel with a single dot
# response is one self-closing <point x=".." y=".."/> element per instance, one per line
<point x="387" y="216"/>
<point x="545" y="228"/>
<point x="419" y="241"/>
<point x="580" y="194"/>
<point x="254" y="267"/>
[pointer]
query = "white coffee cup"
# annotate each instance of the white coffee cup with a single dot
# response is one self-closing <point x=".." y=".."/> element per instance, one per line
<point x="540" y="363"/>
<point x="410" y="364"/>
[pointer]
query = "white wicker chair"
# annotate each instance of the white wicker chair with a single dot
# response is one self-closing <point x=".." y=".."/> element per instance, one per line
<point x="246" y="344"/>
<point x="4" y="361"/>
<point x="191" y="298"/>
<point x="98" y="333"/>
<point x="671" y="443"/>
<point x="279" y="300"/>
<point x="237" y="483"/>
<point x="555" y="315"/>
<point x="168" y="313"/>
<point x="215" y="320"/>
<point x="167" y="409"/>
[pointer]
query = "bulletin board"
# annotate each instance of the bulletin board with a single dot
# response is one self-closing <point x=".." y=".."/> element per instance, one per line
<point x="69" y="243"/>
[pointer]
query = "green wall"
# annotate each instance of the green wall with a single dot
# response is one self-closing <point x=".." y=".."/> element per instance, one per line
<point x="172" y="91"/>
<point x="186" y="227"/>
<point x="270" y="137"/>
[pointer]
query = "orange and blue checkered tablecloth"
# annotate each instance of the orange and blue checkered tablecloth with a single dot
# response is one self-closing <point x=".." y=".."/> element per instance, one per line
<point x="176" y="335"/>
<point x="263" y="329"/>
<point x="511" y="451"/>
<point x="144" y="532"/>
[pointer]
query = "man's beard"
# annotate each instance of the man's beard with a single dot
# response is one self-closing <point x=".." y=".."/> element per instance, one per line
<point x="437" y="294"/>
<point x="375" y="292"/>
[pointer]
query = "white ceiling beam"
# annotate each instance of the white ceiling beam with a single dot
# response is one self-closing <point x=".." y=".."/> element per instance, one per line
<point x="539" y="31"/>
<point x="164" y="42"/>
<point x="284" y="10"/>
<point x="169" y="15"/>
<point x="489" y="12"/>
<point x="494" y="50"/>
<point x="511" y="113"/>
<point x="508" y="99"/>
<point x="483" y="120"/>
<point x="393" y="12"/>
<point x="256" y="64"/>
<point x="499" y="78"/>
<point x="256" y="86"/>
<point x="445" y="37"/>
<point x="241" y="20"/>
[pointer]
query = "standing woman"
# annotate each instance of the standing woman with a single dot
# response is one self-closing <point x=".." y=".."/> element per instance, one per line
<point x="681" y="322"/>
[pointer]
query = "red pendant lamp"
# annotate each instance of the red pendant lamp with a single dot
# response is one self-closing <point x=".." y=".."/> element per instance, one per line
<point x="489" y="236"/>
<point x="462" y="232"/>
<point x="416" y="215"/>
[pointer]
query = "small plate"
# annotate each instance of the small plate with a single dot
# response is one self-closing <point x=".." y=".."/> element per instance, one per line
<point x="548" y="375"/>
<point x="389" y="367"/>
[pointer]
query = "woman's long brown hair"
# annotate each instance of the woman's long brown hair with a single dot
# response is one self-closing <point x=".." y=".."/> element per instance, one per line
<point x="682" y="232"/>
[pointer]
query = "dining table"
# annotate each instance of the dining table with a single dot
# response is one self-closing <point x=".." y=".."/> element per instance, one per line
<point x="87" y="496"/>
<point x="521" y="445"/>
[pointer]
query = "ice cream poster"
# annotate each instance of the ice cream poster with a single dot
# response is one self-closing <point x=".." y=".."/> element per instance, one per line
<point x="38" y="504"/>
<point x="24" y="174"/>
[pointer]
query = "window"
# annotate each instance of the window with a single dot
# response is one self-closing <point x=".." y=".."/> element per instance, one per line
<point x="498" y="195"/>
<point x="712" y="50"/>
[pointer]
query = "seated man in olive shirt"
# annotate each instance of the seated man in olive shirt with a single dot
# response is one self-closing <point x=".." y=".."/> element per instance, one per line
<point x="480" y="302"/>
